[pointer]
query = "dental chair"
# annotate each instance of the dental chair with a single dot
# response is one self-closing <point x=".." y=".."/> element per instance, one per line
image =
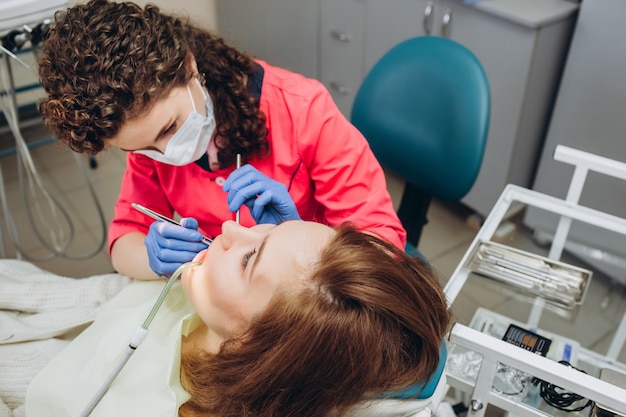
<point x="419" y="400"/>
<point x="424" y="109"/>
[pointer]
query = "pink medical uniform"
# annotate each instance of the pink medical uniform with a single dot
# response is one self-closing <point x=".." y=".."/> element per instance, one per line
<point x="322" y="159"/>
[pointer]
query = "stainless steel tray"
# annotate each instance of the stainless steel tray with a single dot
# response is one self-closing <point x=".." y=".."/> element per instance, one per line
<point x="557" y="282"/>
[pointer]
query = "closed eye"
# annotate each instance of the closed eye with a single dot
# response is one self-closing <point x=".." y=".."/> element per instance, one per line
<point x="246" y="258"/>
<point x="170" y="129"/>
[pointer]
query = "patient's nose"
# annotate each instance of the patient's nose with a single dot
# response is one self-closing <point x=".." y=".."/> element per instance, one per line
<point x="233" y="233"/>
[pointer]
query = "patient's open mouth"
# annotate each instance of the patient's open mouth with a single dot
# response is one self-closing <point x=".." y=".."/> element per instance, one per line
<point x="200" y="256"/>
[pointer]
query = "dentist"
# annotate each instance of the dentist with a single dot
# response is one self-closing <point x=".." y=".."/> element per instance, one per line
<point x="182" y="104"/>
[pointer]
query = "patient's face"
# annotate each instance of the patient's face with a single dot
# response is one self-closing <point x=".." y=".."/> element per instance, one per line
<point x="244" y="267"/>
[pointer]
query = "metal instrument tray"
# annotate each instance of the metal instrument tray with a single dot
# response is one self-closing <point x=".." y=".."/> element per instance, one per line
<point x="557" y="282"/>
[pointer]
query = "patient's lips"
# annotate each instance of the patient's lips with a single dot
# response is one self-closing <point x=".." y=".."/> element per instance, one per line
<point x="200" y="256"/>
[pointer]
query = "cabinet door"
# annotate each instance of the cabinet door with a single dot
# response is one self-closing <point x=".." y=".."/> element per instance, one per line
<point x="291" y="35"/>
<point x="390" y="22"/>
<point x="281" y="32"/>
<point x="506" y="52"/>
<point x="239" y="23"/>
<point x="342" y="43"/>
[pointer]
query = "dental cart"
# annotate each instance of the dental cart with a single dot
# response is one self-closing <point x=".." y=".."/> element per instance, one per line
<point x="536" y="326"/>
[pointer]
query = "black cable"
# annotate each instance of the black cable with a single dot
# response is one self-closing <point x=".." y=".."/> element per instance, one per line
<point x="558" y="398"/>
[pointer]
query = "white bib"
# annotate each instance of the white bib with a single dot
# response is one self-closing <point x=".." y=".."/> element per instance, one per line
<point x="149" y="384"/>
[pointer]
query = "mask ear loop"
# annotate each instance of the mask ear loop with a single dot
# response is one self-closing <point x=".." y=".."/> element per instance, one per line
<point x="201" y="78"/>
<point x="193" y="103"/>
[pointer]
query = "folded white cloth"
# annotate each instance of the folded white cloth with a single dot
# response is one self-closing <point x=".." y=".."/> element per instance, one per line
<point x="5" y="411"/>
<point x="37" y="304"/>
<point x="40" y="312"/>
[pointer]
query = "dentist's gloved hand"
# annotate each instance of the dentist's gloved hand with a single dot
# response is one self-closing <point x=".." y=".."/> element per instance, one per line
<point x="169" y="246"/>
<point x="268" y="200"/>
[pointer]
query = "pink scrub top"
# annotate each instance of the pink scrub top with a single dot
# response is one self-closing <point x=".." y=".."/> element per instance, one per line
<point x="322" y="159"/>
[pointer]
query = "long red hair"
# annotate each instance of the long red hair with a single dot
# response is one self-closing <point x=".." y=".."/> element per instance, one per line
<point x="371" y="320"/>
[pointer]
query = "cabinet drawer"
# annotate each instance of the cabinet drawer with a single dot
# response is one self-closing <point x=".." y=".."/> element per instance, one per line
<point x="342" y="44"/>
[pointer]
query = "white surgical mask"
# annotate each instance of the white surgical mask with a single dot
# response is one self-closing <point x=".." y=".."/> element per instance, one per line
<point x="191" y="141"/>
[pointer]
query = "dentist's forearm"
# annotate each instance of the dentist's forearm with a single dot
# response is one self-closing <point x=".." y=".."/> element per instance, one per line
<point x="129" y="257"/>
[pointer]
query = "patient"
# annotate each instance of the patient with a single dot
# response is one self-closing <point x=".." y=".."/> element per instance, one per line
<point x="292" y="320"/>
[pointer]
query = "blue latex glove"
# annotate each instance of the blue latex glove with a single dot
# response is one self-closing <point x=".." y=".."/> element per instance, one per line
<point x="268" y="200"/>
<point x="169" y="246"/>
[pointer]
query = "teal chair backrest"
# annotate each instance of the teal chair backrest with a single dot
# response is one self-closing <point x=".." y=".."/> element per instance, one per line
<point x="424" y="109"/>
<point x="427" y="388"/>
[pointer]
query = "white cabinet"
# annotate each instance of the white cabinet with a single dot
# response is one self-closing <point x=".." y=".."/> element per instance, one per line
<point x="281" y="32"/>
<point x="342" y="42"/>
<point x="522" y="45"/>
<point x="523" y="60"/>
<point x="590" y="115"/>
<point x="390" y="22"/>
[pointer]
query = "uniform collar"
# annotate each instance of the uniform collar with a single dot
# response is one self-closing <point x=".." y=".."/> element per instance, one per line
<point x="254" y="86"/>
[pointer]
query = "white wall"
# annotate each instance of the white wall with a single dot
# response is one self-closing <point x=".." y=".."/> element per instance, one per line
<point x="201" y="11"/>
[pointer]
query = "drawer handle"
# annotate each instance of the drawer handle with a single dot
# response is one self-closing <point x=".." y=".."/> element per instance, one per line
<point x="446" y="22"/>
<point x="428" y="18"/>
<point x="339" y="88"/>
<point x="341" y="36"/>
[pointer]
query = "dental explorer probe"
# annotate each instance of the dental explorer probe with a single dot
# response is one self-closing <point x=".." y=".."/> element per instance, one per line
<point x="138" y="337"/>
<point x="238" y="166"/>
<point x="160" y="217"/>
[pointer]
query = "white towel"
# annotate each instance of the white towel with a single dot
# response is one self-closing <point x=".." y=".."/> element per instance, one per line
<point x="5" y="411"/>
<point x="36" y="304"/>
<point x="40" y="312"/>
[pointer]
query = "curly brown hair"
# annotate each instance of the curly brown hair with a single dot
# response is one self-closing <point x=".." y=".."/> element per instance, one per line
<point x="104" y="63"/>
<point x="371" y="321"/>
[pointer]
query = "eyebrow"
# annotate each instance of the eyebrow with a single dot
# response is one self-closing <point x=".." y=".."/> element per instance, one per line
<point x="258" y="256"/>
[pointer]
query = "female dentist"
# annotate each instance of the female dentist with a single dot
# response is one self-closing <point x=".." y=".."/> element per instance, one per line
<point x="184" y="104"/>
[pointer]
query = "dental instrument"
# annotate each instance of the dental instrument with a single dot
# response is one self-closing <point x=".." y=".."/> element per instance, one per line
<point x="238" y="166"/>
<point x="160" y="217"/>
<point x="138" y="336"/>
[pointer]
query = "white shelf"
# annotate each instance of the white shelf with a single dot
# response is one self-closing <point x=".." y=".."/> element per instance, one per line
<point x="16" y="13"/>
